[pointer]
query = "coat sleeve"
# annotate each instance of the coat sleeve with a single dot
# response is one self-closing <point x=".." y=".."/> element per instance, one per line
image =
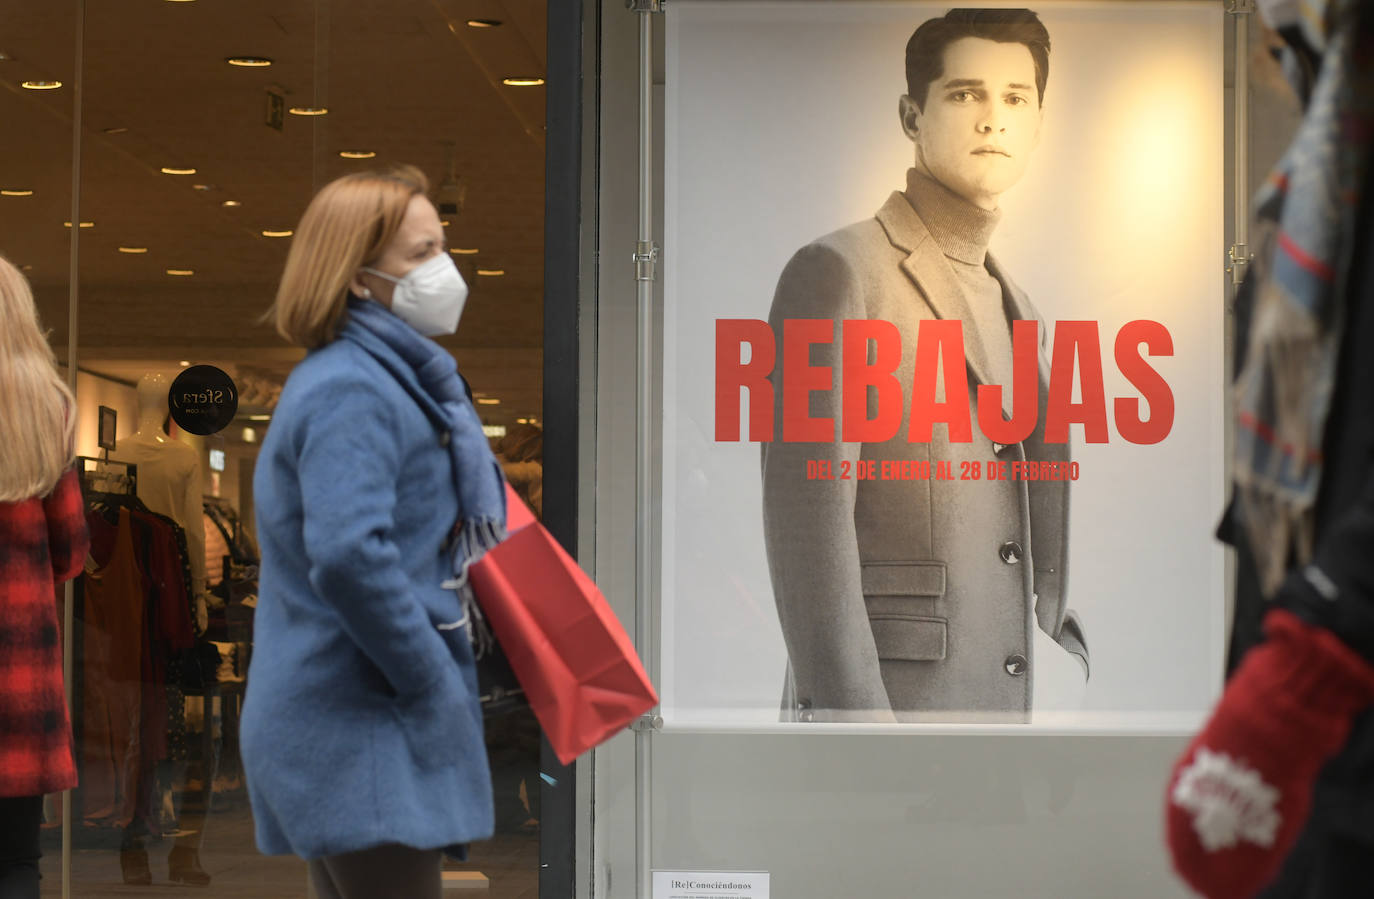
<point x="68" y="538"/>
<point x="349" y="461"/>
<point x="813" y="553"/>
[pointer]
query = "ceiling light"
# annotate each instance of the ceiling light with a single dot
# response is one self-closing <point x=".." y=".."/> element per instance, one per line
<point x="286" y="233"/>
<point x="309" y="110"/>
<point x="40" y="85"/>
<point x="203" y="186"/>
<point x="259" y="418"/>
<point x="357" y="154"/>
<point x="5" y="57"/>
<point x="16" y="193"/>
<point x="181" y="272"/>
<point x="249" y="62"/>
<point x="168" y="170"/>
<point x="484" y="23"/>
<point x="133" y="250"/>
<point x="26" y="268"/>
<point x="464" y="251"/>
<point x="491" y="272"/>
<point x="523" y="82"/>
<point x="522" y="421"/>
<point x="231" y="203"/>
<point x="115" y="130"/>
<point x="185" y="363"/>
<point x="83" y="224"/>
<point x="445" y="223"/>
<point x="488" y="401"/>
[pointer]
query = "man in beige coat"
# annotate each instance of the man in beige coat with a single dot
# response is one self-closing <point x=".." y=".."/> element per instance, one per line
<point x="912" y="599"/>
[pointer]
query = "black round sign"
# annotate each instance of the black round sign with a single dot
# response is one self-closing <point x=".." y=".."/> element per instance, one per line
<point x="203" y="400"/>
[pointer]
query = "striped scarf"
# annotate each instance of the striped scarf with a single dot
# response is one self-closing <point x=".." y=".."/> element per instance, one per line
<point x="1305" y="225"/>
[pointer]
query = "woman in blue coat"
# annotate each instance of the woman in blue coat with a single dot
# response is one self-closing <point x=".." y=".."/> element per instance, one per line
<point x="375" y="489"/>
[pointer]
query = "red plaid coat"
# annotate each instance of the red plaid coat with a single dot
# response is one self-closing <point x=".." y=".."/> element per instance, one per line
<point x="42" y="543"/>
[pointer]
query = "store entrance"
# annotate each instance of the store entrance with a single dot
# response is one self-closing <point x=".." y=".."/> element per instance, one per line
<point x="177" y="144"/>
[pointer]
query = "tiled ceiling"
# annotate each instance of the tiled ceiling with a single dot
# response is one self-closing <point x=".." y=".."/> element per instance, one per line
<point x="409" y="79"/>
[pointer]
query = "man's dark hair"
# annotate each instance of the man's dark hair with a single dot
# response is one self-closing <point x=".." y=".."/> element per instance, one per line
<point x="925" y="52"/>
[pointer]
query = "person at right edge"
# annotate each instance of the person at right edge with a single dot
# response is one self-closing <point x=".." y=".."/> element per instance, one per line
<point x="1275" y="797"/>
<point x="361" y="735"/>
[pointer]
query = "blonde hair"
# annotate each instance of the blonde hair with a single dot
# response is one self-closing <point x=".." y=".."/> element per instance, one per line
<point x="345" y="227"/>
<point x="37" y="420"/>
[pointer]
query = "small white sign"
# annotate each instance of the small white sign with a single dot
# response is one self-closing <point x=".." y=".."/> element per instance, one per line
<point x="710" y="885"/>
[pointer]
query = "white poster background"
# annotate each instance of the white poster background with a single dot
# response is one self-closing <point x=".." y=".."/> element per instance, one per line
<point x="781" y="126"/>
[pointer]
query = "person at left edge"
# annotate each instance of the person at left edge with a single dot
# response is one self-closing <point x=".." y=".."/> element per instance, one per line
<point x="43" y="541"/>
<point x="375" y="489"/>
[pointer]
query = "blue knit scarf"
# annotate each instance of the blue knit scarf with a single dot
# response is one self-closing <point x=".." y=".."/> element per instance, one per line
<point x="430" y="375"/>
<point x="1306" y="218"/>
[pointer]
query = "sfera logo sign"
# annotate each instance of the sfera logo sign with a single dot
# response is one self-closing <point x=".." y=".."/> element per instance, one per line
<point x="203" y="400"/>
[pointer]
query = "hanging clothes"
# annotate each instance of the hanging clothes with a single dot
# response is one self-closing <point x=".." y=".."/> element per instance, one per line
<point x="112" y="681"/>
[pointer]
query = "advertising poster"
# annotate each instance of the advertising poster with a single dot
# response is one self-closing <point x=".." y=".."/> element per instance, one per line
<point x="944" y="364"/>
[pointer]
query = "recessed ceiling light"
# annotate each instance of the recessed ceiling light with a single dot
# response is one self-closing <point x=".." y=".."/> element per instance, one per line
<point x="484" y="23"/>
<point x="181" y="272"/>
<point x="445" y="223"/>
<point x="231" y="203"/>
<point x="522" y="421"/>
<point x="115" y="130"/>
<point x="83" y="224"/>
<point x="16" y="193"/>
<point x="133" y="250"/>
<point x="203" y="186"/>
<point x="286" y="233"/>
<point x="523" y="82"/>
<point x="5" y="57"/>
<point x="169" y="170"/>
<point x="259" y="418"/>
<point x="249" y="62"/>
<point x="491" y="272"/>
<point x="26" y="268"/>
<point x="309" y="110"/>
<point x="488" y="401"/>
<point x="357" y="154"/>
<point x="40" y="85"/>
<point x="185" y="363"/>
<point x="464" y="251"/>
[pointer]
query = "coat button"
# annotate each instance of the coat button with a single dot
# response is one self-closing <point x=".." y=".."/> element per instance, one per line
<point x="444" y="438"/>
<point x="1010" y="552"/>
<point x="1016" y="664"/>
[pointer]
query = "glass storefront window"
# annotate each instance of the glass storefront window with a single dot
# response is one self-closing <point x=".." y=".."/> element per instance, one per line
<point x="205" y="129"/>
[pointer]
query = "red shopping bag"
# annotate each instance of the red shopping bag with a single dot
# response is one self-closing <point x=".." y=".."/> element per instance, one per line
<point x="578" y="667"/>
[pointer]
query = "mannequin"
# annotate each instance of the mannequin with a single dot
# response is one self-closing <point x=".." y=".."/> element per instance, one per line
<point x="169" y="479"/>
<point x="170" y="484"/>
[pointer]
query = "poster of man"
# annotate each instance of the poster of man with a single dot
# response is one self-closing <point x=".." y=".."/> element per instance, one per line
<point x="986" y="456"/>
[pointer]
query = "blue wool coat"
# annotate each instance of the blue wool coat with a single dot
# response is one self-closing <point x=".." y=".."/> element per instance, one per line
<point x="361" y="724"/>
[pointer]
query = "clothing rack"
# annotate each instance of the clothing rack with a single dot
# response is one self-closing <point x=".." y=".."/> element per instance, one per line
<point x="104" y="478"/>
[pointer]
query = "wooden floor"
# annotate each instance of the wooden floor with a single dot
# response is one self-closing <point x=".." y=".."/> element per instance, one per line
<point x="510" y="861"/>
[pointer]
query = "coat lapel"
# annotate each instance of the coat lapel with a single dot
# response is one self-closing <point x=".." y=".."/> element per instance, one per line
<point x="930" y="271"/>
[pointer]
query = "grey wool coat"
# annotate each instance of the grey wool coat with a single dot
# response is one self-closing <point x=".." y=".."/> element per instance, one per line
<point x="908" y="599"/>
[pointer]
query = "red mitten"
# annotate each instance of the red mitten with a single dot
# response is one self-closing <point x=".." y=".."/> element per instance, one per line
<point x="1240" y="793"/>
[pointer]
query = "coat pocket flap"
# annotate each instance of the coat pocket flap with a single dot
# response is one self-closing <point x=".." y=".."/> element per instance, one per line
<point x="903" y="578"/>
<point x="909" y="638"/>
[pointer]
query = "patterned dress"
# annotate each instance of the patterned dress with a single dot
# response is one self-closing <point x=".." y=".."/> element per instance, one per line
<point x="43" y="542"/>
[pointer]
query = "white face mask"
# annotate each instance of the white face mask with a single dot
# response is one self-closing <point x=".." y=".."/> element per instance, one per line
<point x="430" y="297"/>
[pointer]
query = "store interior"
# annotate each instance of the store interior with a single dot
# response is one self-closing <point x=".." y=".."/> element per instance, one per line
<point x="158" y="156"/>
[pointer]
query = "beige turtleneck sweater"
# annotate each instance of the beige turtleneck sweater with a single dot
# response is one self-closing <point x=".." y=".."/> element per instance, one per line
<point x="962" y="230"/>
